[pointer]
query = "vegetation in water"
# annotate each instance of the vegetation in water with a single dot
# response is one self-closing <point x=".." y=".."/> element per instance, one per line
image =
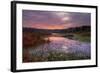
<point x="37" y="37"/>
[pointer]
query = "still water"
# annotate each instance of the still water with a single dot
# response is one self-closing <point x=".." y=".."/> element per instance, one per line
<point x="62" y="45"/>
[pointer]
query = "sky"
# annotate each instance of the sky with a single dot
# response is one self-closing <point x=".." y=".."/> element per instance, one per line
<point x="54" y="19"/>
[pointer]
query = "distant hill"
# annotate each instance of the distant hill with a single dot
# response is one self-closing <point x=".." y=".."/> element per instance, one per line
<point x="76" y="29"/>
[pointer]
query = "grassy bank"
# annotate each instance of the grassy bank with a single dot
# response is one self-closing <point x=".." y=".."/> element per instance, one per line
<point x="55" y="56"/>
<point x="33" y="39"/>
<point x="84" y="37"/>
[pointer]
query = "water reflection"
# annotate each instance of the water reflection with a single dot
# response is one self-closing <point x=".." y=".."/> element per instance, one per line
<point x="68" y="49"/>
<point x="53" y="38"/>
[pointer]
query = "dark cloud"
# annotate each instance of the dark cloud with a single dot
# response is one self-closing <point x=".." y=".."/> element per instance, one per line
<point x="80" y="18"/>
<point x="32" y="17"/>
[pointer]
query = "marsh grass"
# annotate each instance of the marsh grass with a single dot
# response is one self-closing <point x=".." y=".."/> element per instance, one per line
<point x="84" y="37"/>
<point x="37" y="39"/>
<point x="56" y="56"/>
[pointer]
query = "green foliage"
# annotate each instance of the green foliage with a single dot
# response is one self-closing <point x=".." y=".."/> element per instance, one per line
<point x="84" y="37"/>
<point x="56" y="56"/>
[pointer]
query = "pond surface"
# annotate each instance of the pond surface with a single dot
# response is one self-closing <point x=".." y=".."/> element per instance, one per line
<point x="68" y="49"/>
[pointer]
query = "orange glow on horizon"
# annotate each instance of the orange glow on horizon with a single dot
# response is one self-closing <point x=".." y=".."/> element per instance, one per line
<point x="51" y="26"/>
<point x="54" y="27"/>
